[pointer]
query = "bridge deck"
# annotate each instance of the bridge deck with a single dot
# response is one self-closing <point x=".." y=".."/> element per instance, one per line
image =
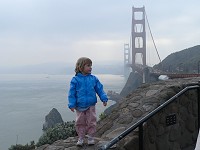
<point x="175" y="75"/>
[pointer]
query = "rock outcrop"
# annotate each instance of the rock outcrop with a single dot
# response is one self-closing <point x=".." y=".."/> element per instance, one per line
<point x="53" y="118"/>
<point x="112" y="95"/>
<point x="157" y="134"/>
<point x="133" y="82"/>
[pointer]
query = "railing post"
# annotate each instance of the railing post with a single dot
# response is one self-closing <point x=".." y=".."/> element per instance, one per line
<point x="141" y="136"/>
<point x="198" y="102"/>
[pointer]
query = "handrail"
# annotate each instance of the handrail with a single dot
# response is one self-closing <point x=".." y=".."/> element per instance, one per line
<point x="145" y="118"/>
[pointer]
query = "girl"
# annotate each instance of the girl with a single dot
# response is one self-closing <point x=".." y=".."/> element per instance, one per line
<point x="82" y="98"/>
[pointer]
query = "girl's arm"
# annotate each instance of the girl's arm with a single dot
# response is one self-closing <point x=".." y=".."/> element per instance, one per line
<point x="100" y="92"/>
<point x="72" y="94"/>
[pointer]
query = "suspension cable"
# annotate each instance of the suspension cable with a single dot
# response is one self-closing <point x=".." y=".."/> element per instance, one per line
<point x="152" y="37"/>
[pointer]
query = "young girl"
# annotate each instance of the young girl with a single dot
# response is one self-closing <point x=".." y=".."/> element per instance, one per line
<point x="82" y="98"/>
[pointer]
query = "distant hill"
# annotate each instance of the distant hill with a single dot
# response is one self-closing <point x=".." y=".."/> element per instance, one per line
<point x="64" y="68"/>
<point x="185" y="61"/>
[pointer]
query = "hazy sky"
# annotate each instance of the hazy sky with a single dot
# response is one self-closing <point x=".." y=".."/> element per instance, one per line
<point x="40" y="31"/>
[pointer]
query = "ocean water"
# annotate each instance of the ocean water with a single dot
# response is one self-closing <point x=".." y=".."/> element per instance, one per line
<point x="26" y="99"/>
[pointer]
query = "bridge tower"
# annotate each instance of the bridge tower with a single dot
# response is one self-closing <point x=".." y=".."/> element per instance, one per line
<point x="127" y="60"/>
<point x="138" y="35"/>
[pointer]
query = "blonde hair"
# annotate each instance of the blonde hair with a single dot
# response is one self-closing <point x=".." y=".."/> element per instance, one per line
<point x="81" y="62"/>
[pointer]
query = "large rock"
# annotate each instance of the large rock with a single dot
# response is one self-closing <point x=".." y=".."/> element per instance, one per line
<point x="53" y="118"/>
<point x="133" y="82"/>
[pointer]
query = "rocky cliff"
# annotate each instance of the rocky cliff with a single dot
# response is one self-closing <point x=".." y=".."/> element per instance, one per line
<point x="180" y="136"/>
<point x="53" y="118"/>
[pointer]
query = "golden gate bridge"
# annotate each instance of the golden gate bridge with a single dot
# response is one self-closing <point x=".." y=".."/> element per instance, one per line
<point x="137" y="47"/>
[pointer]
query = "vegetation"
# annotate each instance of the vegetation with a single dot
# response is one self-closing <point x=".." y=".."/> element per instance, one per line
<point x="23" y="147"/>
<point x="185" y="61"/>
<point x="102" y="116"/>
<point x="58" y="132"/>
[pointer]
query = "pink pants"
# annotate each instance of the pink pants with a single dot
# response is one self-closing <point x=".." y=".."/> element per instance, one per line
<point x="86" y="122"/>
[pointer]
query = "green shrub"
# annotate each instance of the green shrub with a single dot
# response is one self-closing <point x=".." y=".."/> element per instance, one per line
<point x="23" y="147"/>
<point x="60" y="131"/>
<point x="102" y="116"/>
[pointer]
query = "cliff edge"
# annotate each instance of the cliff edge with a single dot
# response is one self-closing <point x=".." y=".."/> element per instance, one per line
<point x="137" y="104"/>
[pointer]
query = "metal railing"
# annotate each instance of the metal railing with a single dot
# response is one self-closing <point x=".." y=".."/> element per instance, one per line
<point x="155" y="111"/>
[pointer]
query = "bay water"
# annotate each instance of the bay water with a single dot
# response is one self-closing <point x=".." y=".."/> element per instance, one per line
<point x="25" y="100"/>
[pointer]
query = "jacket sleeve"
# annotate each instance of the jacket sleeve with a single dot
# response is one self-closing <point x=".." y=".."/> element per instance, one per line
<point x="100" y="92"/>
<point x="72" y="94"/>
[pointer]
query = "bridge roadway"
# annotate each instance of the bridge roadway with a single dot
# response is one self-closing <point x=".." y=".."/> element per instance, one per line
<point x="176" y="75"/>
<point x="153" y="72"/>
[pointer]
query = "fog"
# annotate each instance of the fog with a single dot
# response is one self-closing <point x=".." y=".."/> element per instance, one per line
<point x="60" y="31"/>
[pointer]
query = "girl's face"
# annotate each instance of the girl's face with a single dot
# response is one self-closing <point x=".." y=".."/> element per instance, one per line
<point x="87" y="69"/>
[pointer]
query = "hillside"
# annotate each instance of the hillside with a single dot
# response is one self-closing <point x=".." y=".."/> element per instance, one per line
<point x="185" y="61"/>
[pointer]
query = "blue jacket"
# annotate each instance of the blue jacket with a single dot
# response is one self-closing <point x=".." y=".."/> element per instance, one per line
<point x="83" y="89"/>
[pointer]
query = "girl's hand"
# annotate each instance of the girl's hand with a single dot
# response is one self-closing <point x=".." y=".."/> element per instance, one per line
<point x="72" y="109"/>
<point x="104" y="103"/>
